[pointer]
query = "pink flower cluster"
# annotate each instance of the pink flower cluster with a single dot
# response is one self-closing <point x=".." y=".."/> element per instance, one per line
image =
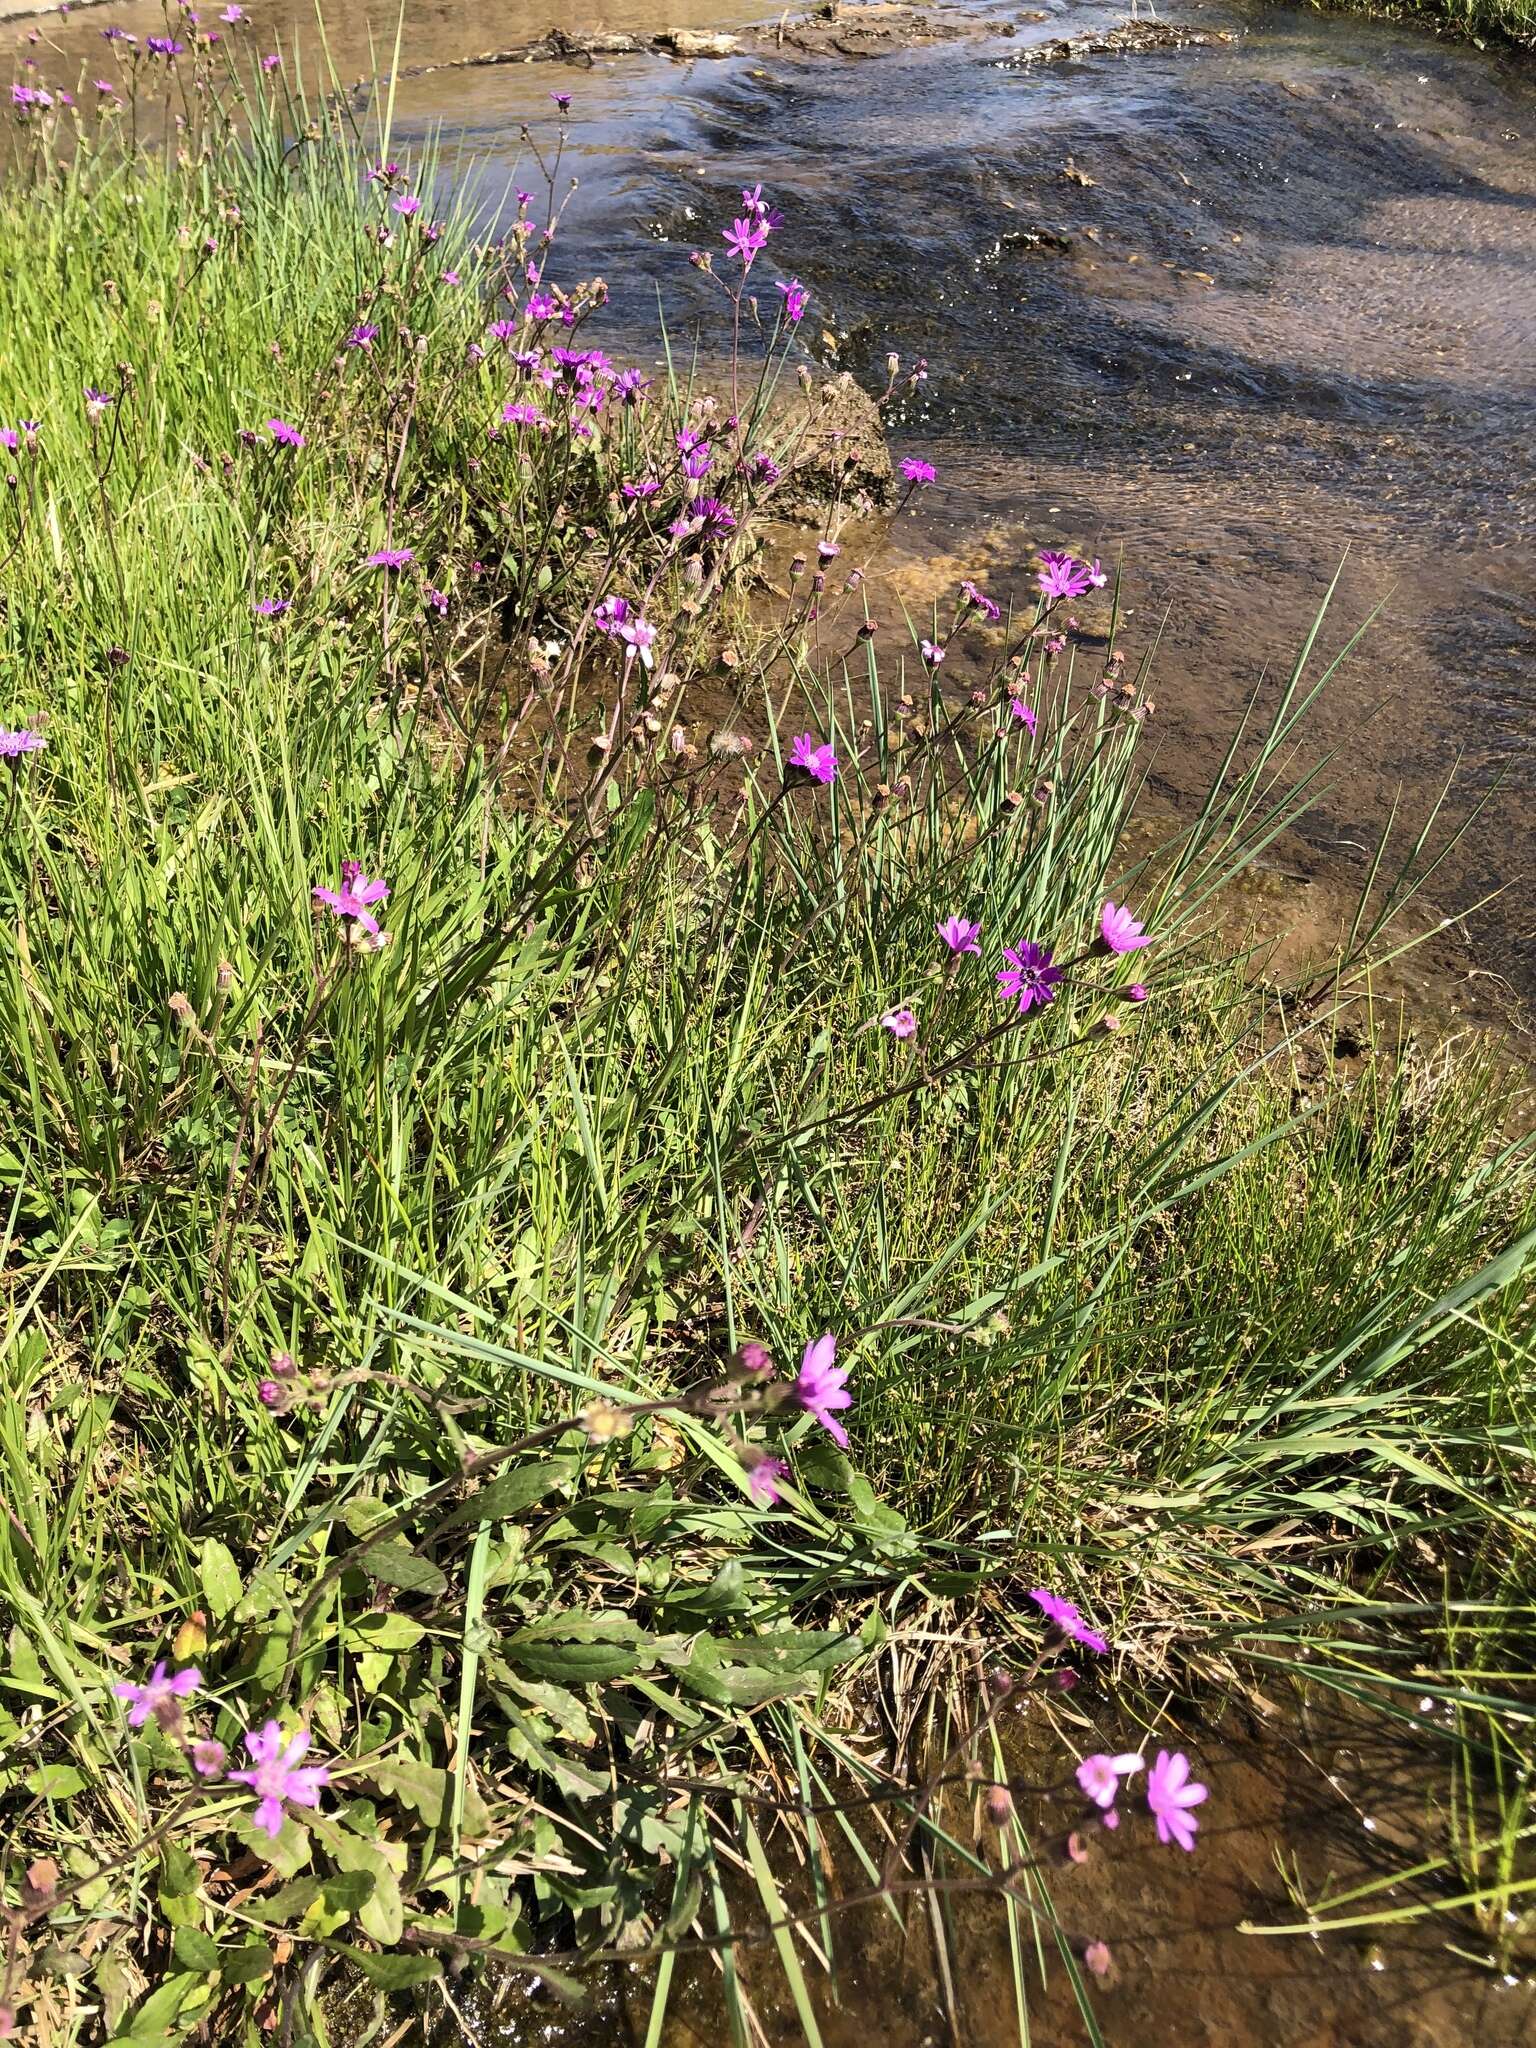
<point x="275" y="1775"/>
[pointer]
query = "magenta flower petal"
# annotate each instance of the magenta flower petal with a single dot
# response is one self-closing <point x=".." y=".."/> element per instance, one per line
<point x="1120" y="931"/>
<point x="1066" y="1619"/>
<point x="960" y="934"/>
<point x="1030" y="978"/>
<point x="814" y="756"/>
<point x="821" y="1387"/>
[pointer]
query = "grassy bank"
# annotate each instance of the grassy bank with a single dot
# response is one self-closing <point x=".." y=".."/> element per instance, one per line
<point x="408" y="1294"/>
<point x="1480" y="20"/>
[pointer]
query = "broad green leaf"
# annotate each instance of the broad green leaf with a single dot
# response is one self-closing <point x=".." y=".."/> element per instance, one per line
<point x="220" y="1578"/>
<point x="393" y="1972"/>
<point x="512" y="1493"/>
<point x="195" y="1950"/>
<point x="396" y="1564"/>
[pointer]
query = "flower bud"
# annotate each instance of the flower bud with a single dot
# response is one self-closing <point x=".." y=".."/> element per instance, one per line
<point x="999" y="1806"/>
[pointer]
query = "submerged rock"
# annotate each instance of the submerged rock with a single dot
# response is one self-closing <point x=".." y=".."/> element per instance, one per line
<point x="836" y="452"/>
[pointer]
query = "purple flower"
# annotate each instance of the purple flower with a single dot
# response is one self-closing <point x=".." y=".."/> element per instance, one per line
<point x="271" y="63"/>
<point x="449" y="277"/>
<point x="796" y="298"/>
<point x="980" y="600"/>
<point x="9" y="438"/>
<point x="630" y="386"/>
<point x="1096" y="576"/>
<point x="562" y="100"/>
<point x="23" y="741"/>
<point x="1023" y="713"/>
<point x="1120" y="931"/>
<point x="352" y="900"/>
<point x="820" y="1387"/>
<point x="647" y="487"/>
<point x="541" y="307"/>
<point x="284" y="435"/>
<point x="232" y="15"/>
<point x="1100" y="1775"/>
<point x="814" y="756"/>
<point x="917" y="472"/>
<point x="716" y="519"/>
<point x="698" y="462"/>
<point x="746" y="238"/>
<point x="437" y="600"/>
<point x="1062" y="575"/>
<point x="1064" y="1617"/>
<point x="272" y="607"/>
<point x="275" y="1779"/>
<point x="407" y="204"/>
<point x="1170" y="1795"/>
<point x="157" y="1695"/>
<point x="639" y="637"/>
<point x="390" y="558"/>
<point x="382" y="174"/>
<point x="106" y="88"/>
<point x="933" y="652"/>
<point x="1137" y="992"/>
<point x="611" y="615"/>
<point x="117" y="35"/>
<point x="503" y="330"/>
<point x="764" y="469"/>
<point x="1029" y="975"/>
<point x="96" y="402"/>
<point x="209" y="1757"/>
<point x="764" y="1479"/>
<point x="960" y="935"/>
<point x="164" y="46"/>
<point x="362" y="334"/>
<point x="900" y="1023"/>
<point x="517" y="414"/>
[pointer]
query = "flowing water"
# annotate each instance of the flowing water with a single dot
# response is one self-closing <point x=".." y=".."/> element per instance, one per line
<point x="1229" y="314"/>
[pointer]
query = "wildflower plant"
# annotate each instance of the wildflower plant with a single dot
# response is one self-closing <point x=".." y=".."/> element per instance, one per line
<point x="476" y="1388"/>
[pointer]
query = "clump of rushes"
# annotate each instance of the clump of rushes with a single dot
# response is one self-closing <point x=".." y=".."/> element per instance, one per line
<point x="735" y="1224"/>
